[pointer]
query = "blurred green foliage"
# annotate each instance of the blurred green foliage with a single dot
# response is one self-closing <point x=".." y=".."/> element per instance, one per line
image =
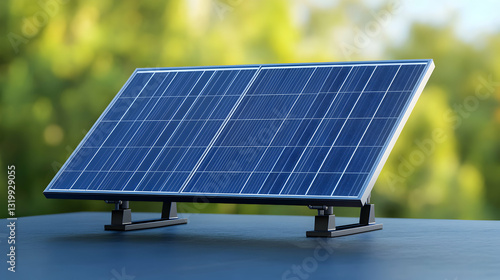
<point x="61" y="63"/>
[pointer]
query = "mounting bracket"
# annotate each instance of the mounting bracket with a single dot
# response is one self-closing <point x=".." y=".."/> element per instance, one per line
<point x="324" y="222"/>
<point x="121" y="217"/>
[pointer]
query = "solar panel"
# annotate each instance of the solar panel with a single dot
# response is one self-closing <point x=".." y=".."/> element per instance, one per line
<point x="316" y="133"/>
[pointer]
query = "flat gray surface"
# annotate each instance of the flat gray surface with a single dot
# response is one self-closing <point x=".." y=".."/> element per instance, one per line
<point x="75" y="246"/>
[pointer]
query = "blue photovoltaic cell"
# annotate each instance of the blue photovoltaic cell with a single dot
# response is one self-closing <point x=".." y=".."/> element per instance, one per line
<point x="310" y="130"/>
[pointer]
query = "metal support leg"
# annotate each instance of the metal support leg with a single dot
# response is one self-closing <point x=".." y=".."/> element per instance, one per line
<point x="121" y="218"/>
<point x="324" y="222"/>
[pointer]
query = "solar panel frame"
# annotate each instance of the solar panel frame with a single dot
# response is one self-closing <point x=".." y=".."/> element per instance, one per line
<point x="252" y="198"/>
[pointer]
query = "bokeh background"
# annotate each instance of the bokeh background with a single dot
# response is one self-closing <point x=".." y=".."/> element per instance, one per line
<point x="61" y="63"/>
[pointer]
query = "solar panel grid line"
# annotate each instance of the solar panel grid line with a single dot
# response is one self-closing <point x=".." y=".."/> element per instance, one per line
<point x="280" y="126"/>
<point x="106" y="138"/>
<point x="176" y="128"/>
<point x="279" y="156"/>
<point x="340" y="132"/>
<point x="129" y="155"/>
<point x="224" y="160"/>
<point x="218" y="171"/>
<point x="379" y="156"/>
<point x="89" y="133"/>
<point x="256" y="146"/>
<point x="308" y="152"/>
<point x="199" y="131"/>
<point x="303" y="133"/>
<point x="265" y="172"/>
<point x="165" y="127"/>
<point x="267" y="119"/>
<point x="151" y="147"/>
<point x="376" y="159"/>
<point x="280" y="120"/>
<point x="231" y="107"/>
<point x="187" y="144"/>
<point x="253" y="94"/>
<point x="306" y="147"/>
<point x="319" y="125"/>
<point x="242" y="108"/>
<point x="130" y="139"/>
<point x="333" y="109"/>
<point x="396" y="130"/>
<point x="361" y="139"/>
<point x="313" y="135"/>
<point x="295" y="131"/>
<point x="320" y="130"/>
<point x="338" y="106"/>
<point x="273" y="146"/>
<point x="221" y="128"/>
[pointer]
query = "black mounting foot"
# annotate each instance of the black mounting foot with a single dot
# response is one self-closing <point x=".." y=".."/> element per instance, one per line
<point x="324" y="223"/>
<point x="121" y="218"/>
